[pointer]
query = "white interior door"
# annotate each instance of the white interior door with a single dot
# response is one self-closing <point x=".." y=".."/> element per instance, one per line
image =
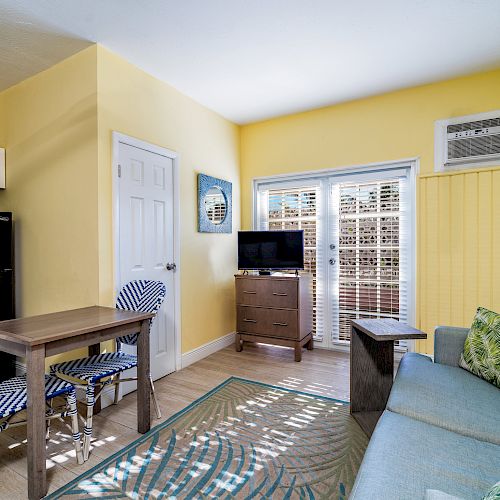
<point x="146" y="242"/>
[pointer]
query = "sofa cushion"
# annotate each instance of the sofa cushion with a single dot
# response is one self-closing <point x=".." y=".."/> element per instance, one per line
<point x="446" y="396"/>
<point x="406" y="457"/>
<point x="481" y="354"/>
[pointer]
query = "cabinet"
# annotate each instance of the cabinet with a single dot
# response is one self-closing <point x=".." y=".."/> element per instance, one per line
<point x="275" y="309"/>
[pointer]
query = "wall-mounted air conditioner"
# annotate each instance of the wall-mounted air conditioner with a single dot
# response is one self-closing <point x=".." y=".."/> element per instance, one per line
<point x="467" y="142"/>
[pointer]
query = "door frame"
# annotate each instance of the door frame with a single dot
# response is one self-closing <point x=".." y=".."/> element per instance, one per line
<point x="324" y="175"/>
<point x="117" y="139"/>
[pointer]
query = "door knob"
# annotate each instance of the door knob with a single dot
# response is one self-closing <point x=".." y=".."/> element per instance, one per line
<point x="170" y="266"/>
<point x="332" y="262"/>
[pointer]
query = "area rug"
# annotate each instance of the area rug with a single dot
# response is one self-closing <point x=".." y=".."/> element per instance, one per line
<point x="243" y="439"/>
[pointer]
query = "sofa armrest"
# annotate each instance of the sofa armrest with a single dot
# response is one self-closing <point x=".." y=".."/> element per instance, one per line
<point x="449" y="344"/>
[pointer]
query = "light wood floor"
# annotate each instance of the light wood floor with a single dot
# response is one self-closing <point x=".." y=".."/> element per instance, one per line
<point x="320" y="372"/>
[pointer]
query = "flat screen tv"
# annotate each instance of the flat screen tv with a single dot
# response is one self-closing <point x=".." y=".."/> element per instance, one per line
<point x="270" y="250"/>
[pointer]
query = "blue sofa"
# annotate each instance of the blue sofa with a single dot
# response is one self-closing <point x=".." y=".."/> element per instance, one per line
<point x="439" y="436"/>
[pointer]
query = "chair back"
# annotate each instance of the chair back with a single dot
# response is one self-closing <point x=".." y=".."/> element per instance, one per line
<point x="140" y="296"/>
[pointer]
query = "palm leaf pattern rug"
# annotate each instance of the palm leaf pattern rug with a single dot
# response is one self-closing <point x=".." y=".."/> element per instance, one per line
<point x="243" y="439"/>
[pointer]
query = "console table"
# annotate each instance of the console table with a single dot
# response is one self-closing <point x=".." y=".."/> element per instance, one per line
<point x="274" y="309"/>
<point x="372" y="366"/>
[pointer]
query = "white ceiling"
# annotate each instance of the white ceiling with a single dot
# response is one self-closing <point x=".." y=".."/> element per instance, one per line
<point x="254" y="59"/>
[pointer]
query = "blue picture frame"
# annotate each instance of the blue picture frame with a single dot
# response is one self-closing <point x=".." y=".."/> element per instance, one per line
<point x="205" y="225"/>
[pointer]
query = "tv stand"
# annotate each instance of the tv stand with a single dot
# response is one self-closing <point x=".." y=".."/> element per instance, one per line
<point x="264" y="273"/>
<point x="274" y="309"/>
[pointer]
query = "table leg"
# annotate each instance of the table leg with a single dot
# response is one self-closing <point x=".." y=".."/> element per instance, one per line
<point x="93" y="350"/>
<point x="143" y="387"/>
<point x="35" y="379"/>
<point x="372" y="372"/>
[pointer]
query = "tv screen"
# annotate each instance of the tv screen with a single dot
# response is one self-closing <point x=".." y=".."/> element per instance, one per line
<point x="271" y="250"/>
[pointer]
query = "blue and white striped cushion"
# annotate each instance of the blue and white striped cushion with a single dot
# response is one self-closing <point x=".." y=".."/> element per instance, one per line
<point x="143" y="296"/>
<point x="13" y="393"/>
<point x="94" y="368"/>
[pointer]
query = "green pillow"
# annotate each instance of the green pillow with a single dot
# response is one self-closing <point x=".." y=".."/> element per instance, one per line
<point x="494" y="493"/>
<point x="481" y="354"/>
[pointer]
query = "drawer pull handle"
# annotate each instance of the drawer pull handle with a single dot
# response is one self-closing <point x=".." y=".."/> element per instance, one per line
<point x="247" y="291"/>
<point x="280" y="324"/>
<point x="250" y="320"/>
<point x="280" y="294"/>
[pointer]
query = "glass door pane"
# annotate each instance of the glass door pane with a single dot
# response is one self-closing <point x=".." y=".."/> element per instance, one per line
<point x="366" y="277"/>
<point x="296" y="208"/>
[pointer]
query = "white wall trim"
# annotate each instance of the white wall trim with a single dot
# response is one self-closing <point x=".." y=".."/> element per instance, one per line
<point x="190" y="357"/>
<point x="2" y="168"/>
<point x="118" y="138"/>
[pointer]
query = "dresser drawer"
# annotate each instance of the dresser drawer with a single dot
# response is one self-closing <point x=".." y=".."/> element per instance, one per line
<point x="268" y="322"/>
<point x="251" y="292"/>
<point x="267" y="292"/>
<point x="282" y="293"/>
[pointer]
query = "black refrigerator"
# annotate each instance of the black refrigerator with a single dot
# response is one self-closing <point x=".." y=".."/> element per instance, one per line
<point x="7" y="310"/>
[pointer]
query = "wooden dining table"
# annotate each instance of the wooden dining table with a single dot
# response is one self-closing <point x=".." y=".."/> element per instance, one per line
<point x="38" y="337"/>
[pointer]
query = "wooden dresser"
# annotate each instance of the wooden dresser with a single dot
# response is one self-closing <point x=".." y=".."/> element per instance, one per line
<point x="274" y="309"/>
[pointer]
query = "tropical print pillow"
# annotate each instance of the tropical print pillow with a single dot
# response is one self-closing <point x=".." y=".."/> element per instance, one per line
<point x="494" y="493"/>
<point x="481" y="354"/>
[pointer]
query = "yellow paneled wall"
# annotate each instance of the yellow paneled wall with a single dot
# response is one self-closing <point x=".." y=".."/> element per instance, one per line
<point x="459" y="247"/>
<point x="458" y="214"/>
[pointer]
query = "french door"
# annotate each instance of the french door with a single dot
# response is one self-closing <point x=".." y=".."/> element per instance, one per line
<point x="358" y="230"/>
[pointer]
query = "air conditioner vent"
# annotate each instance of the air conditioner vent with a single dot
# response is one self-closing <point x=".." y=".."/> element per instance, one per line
<point x="468" y="141"/>
<point x="474" y="147"/>
<point x="481" y="124"/>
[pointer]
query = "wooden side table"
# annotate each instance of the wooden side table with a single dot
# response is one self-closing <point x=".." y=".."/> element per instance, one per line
<point x="372" y="366"/>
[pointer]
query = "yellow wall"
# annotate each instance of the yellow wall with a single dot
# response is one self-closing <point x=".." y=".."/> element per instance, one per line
<point x="3" y="138"/>
<point x="49" y="125"/>
<point x="458" y="215"/>
<point x="50" y="128"/>
<point x="134" y="103"/>
<point x="56" y="127"/>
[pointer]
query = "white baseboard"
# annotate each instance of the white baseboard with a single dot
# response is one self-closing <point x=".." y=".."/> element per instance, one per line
<point x="190" y="357"/>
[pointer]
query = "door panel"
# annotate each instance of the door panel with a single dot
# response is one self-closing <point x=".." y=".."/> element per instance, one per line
<point x="146" y="242"/>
